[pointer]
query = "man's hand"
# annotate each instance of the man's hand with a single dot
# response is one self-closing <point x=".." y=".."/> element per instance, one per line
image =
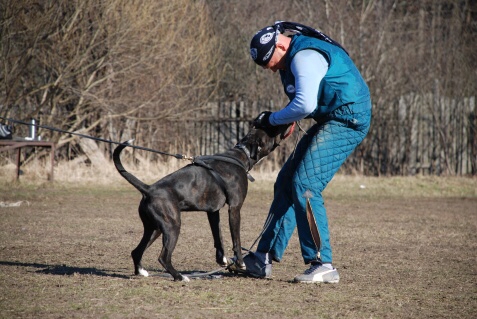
<point x="263" y="120"/>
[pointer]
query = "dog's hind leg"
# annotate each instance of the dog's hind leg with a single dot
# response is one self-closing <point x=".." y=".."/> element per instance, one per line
<point x="148" y="237"/>
<point x="165" y="258"/>
<point x="169" y="240"/>
<point x="214" y="222"/>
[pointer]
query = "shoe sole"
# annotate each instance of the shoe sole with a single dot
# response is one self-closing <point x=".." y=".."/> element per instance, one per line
<point x="330" y="276"/>
<point x="245" y="272"/>
<point x="237" y="270"/>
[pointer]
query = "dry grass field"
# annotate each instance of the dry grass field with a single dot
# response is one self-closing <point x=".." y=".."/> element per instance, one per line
<point x="404" y="247"/>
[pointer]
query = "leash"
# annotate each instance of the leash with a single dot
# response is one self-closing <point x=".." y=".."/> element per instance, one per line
<point x="201" y="160"/>
<point x="196" y="160"/>
<point x="178" y="156"/>
<point x="214" y="274"/>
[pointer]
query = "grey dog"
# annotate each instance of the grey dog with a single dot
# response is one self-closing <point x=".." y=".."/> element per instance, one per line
<point x="207" y="185"/>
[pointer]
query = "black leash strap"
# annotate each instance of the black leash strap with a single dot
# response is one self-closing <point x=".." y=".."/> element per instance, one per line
<point x="199" y="161"/>
<point x="223" y="158"/>
<point x="178" y="156"/>
<point x="228" y="159"/>
<point x="214" y="274"/>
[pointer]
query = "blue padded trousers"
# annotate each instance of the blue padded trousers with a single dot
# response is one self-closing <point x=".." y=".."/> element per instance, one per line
<point x="317" y="158"/>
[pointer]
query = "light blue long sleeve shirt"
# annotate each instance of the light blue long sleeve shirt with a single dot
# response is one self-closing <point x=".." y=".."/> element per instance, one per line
<point x="309" y="67"/>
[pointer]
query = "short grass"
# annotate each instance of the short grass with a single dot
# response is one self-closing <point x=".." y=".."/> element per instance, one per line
<point x="405" y="247"/>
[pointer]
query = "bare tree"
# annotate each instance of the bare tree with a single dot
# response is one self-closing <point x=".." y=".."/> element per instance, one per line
<point x="85" y="65"/>
<point x="149" y="69"/>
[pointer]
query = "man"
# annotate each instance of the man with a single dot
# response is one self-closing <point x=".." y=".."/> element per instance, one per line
<point x="323" y="84"/>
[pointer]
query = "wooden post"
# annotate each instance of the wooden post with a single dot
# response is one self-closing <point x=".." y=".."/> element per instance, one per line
<point x="52" y="162"/>
<point x="18" y="162"/>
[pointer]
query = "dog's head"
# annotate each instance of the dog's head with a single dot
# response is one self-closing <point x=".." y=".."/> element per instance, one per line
<point x="259" y="142"/>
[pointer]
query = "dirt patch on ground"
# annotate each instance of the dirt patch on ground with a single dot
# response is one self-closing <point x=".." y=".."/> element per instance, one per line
<point x="64" y="253"/>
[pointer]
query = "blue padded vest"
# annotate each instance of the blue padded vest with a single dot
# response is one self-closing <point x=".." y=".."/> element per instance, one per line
<point x="342" y="84"/>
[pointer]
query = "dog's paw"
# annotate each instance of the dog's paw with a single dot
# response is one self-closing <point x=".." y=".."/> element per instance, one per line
<point x="230" y="261"/>
<point x="225" y="262"/>
<point x="185" y="278"/>
<point x="143" y="272"/>
<point x="234" y="266"/>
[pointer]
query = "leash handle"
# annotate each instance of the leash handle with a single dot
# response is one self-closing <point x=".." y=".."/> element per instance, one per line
<point x="290" y="131"/>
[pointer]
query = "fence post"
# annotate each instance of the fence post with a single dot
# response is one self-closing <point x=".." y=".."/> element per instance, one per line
<point x="414" y="119"/>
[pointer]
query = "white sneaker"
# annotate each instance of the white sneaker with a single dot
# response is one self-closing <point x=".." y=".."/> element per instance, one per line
<point x="319" y="273"/>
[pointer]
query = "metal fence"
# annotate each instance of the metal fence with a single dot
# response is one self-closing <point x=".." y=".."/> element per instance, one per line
<point x="423" y="134"/>
<point x="417" y="134"/>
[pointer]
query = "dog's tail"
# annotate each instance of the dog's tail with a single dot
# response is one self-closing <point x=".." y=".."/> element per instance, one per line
<point x="133" y="180"/>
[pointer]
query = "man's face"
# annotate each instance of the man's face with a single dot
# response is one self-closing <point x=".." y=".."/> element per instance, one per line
<point x="277" y="62"/>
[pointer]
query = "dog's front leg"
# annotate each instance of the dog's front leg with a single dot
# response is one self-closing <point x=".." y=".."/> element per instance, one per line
<point x="214" y="222"/>
<point x="234" y="223"/>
